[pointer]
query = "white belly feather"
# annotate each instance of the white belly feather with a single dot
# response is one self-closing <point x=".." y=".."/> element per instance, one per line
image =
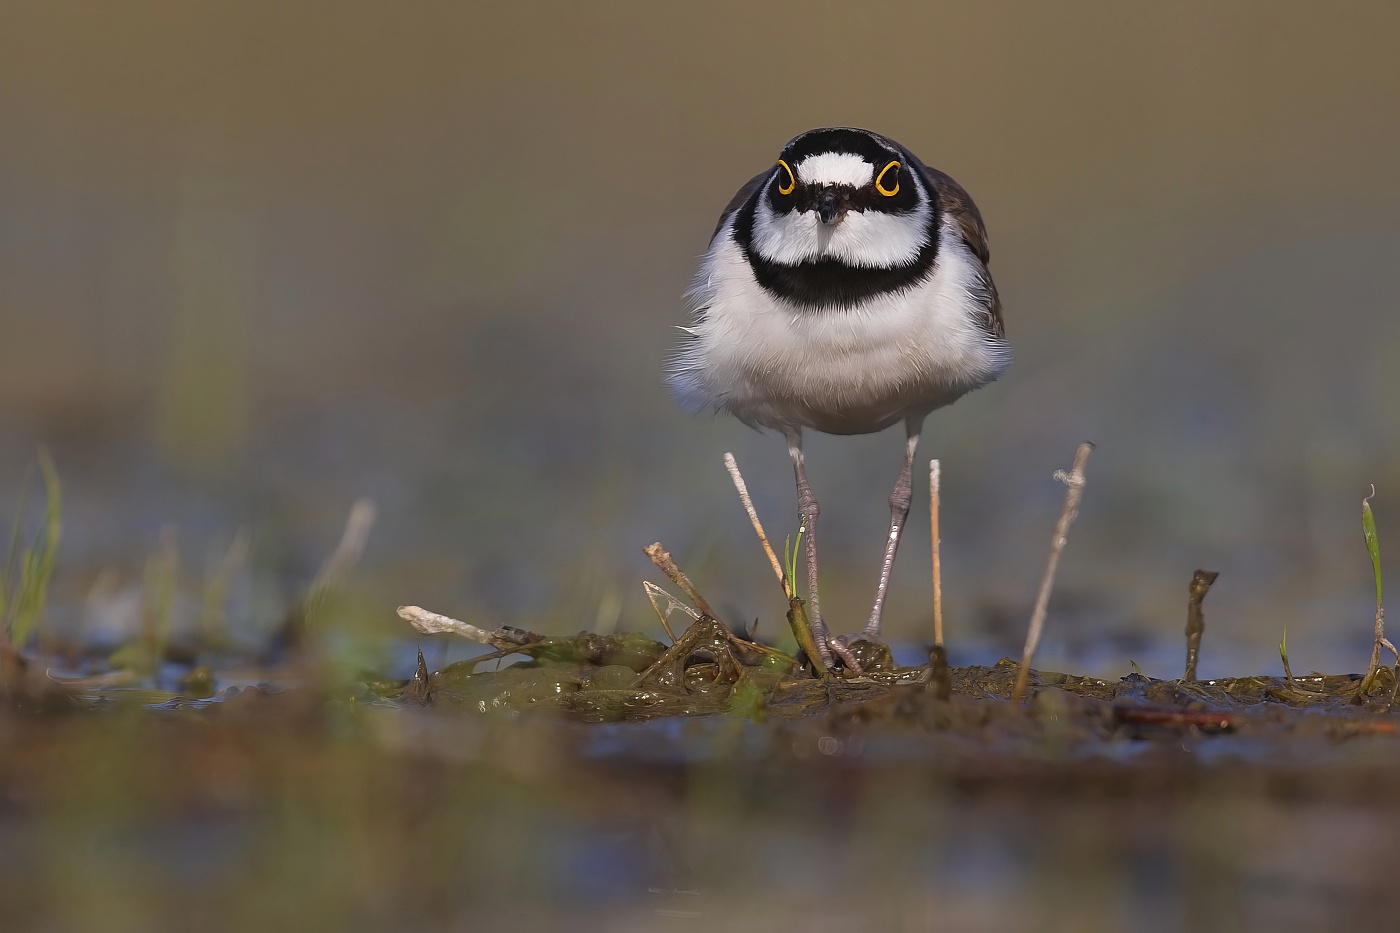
<point x="842" y="370"/>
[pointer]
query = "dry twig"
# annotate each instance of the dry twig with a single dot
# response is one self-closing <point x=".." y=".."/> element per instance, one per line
<point x="667" y="565"/>
<point x="733" y="467"/>
<point x="797" y="610"/>
<point x="1201" y="582"/>
<point x="1210" y="720"/>
<point x="431" y="623"/>
<point x="933" y="478"/>
<point x="1075" y="481"/>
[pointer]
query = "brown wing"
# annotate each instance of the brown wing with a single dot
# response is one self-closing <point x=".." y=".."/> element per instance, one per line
<point x="736" y="202"/>
<point x="956" y="203"/>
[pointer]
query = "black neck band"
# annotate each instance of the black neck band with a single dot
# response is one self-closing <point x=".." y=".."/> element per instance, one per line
<point x="830" y="283"/>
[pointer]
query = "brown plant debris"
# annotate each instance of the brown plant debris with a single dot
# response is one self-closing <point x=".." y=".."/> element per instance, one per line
<point x="1201" y="582"/>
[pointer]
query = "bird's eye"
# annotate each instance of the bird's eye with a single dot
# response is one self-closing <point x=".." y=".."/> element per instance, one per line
<point x="785" y="187"/>
<point x="888" y="191"/>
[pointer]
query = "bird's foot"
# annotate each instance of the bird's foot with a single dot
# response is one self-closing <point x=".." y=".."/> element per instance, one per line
<point x="862" y="653"/>
<point x="857" y="654"/>
<point x="838" y="651"/>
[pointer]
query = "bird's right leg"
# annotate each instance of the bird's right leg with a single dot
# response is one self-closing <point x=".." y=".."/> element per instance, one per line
<point x="808" y="508"/>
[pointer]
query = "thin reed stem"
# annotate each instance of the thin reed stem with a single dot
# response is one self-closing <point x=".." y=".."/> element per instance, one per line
<point x="733" y="467"/>
<point x="933" y="482"/>
<point x="1075" y="481"/>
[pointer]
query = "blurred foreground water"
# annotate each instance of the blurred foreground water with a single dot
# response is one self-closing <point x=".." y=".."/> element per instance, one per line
<point x="263" y="810"/>
<point x="259" y="261"/>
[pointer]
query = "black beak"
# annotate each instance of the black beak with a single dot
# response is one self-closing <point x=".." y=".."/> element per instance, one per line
<point x="829" y="207"/>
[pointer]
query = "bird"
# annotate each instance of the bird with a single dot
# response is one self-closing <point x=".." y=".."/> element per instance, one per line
<point x="845" y="289"/>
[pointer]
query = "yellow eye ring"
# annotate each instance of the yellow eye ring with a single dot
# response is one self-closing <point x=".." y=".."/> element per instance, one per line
<point x="791" y="179"/>
<point x="879" y="179"/>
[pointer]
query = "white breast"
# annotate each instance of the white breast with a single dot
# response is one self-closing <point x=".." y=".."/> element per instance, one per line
<point x="843" y="370"/>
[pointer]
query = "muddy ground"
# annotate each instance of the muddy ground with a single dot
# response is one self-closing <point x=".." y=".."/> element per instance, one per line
<point x="619" y="783"/>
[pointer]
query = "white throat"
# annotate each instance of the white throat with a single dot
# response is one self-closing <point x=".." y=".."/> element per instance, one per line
<point x="867" y="239"/>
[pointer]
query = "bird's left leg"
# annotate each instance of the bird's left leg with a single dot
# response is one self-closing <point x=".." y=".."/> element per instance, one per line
<point x="807" y="507"/>
<point x="900" y="500"/>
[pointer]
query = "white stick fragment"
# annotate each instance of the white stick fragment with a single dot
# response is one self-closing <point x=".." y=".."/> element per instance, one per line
<point x="1074" y="480"/>
<point x="656" y="595"/>
<point x="352" y="543"/>
<point x="430" y="623"/>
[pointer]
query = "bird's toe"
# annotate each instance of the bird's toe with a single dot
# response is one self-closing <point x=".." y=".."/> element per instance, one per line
<point x="863" y="653"/>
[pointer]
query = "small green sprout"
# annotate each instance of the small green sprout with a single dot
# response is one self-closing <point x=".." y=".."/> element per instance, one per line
<point x="22" y="602"/>
<point x="1373" y="548"/>
<point x="790" y="550"/>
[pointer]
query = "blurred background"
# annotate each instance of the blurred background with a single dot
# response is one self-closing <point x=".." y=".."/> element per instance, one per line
<point x="259" y="260"/>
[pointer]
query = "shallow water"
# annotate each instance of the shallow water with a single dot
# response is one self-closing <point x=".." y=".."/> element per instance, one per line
<point x="490" y="799"/>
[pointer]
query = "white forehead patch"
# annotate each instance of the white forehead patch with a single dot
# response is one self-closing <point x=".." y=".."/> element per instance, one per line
<point x="834" y="168"/>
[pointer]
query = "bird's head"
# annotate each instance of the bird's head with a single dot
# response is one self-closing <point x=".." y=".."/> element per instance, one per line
<point x="842" y="194"/>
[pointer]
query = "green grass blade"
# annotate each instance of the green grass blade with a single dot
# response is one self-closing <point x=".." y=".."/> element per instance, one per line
<point x="37" y="561"/>
<point x="1373" y="547"/>
<point x="788" y="562"/>
<point x="791" y="548"/>
<point x="12" y="554"/>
